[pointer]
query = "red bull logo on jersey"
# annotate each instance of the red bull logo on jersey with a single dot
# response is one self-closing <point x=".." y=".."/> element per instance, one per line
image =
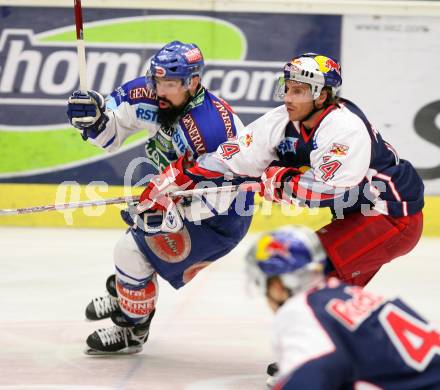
<point x="246" y="140"/>
<point x="339" y="149"/>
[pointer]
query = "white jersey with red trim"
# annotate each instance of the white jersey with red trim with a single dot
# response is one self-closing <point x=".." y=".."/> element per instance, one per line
<point x="345" y="162"/>
<point x="339" y="336"/>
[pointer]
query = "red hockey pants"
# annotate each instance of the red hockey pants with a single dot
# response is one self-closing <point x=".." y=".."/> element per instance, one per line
<point x="359" y="245"/>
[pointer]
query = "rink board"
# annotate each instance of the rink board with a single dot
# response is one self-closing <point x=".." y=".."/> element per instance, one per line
<point x="38" y="69"/>
<point x="380" y="55"/>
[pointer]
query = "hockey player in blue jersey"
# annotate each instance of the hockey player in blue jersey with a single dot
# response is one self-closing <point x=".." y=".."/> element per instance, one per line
<point x="320" y="150"/>
<point x="184" y="121"/>
<point x="332" y="336"/>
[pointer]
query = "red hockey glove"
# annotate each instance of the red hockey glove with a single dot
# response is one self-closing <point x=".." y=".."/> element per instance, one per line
<point x="173" y="178"/>
<point x="273" y="180"/>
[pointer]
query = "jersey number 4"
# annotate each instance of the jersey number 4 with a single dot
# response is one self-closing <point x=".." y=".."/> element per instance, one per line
<point x="329" y="168"/>
<point x="228" y="150"/>
<point x="416" y="341"/>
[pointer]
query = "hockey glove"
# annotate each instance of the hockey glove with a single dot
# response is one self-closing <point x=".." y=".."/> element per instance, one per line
<point x="173" y="178"/>
<point x="273" y="183"/>
<point x="154" y="221"/>
<point x="86" y="112"/>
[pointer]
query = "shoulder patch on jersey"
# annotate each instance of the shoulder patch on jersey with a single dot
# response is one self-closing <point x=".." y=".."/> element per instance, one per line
<point x="246" y="140"/>
<point x="120" y="92"/>
<point x="117" y="97"/>
<point x="339" y="149"/>
<point x="354" y="311"/>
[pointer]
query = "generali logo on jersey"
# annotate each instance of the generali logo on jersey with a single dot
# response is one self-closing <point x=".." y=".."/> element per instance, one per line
<point x="35" y="75"/>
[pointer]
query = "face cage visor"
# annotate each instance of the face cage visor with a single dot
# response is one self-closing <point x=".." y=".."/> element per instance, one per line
<point x="281" y="89"/>
<point x="151" y="82"/>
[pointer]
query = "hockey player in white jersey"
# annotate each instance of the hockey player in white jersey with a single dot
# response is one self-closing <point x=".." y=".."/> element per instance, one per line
<point x="328" y="335"/>
<point x="319" y="150"/>
<point x="184" y="120"/>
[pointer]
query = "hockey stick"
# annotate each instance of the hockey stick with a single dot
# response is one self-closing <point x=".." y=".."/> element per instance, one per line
<point x="255" y="187"/>
<point x="80" y="46"/>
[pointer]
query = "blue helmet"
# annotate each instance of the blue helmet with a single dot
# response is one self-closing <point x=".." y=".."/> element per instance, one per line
<point x="314" y="69"/>
<point x="176" y="60"/>
<point x="291" y="253"/>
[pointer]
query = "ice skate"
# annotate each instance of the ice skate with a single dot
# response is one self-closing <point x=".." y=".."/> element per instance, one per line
<point x="273" y="375"/>
<point x="120" y="339"/>
<point x="102" y="307"/>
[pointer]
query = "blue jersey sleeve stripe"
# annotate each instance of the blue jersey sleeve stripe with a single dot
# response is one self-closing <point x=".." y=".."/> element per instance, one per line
<point x="110" y="141"/>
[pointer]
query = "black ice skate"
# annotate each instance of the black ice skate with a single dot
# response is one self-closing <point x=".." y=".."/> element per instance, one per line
<point x="273" y="375"/>
<point x="102" y="307"/>
<point x="119" y="339"/>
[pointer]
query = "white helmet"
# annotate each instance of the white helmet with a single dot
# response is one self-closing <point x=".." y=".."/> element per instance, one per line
<point x="316" y="70"/>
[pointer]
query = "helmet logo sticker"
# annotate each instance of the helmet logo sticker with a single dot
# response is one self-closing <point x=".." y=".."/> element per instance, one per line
<point x="327" y="64"/>
<point x="293" y="68"/>
<point x="269" y="247"/>
<point x="160" y="72"/>
<point x="193" y="55"/>
<point x="332" y="65"/>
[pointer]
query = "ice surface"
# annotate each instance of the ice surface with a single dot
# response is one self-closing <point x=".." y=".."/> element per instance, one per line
<point x="209" y="335"/>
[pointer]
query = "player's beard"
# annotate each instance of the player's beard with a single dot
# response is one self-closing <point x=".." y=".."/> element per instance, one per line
<point x="167" y="117"/>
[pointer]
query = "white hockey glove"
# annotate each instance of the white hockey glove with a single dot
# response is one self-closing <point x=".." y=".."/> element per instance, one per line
<point x="86" y="112"/>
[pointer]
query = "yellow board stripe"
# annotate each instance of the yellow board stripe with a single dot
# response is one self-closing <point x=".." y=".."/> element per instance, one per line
<point x="267" y="216"/>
